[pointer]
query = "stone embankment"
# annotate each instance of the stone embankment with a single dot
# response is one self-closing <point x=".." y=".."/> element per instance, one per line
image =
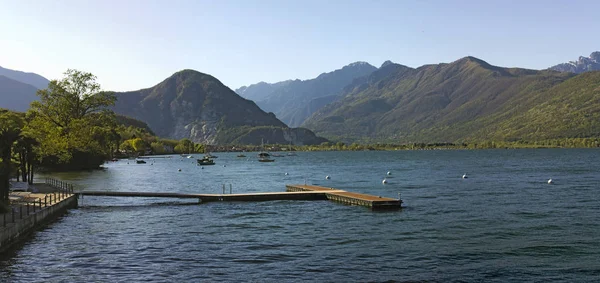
<point x="32" y="207"/>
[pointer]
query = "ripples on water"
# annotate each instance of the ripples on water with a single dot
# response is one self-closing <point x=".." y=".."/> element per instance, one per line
<point x="503" y="223"/>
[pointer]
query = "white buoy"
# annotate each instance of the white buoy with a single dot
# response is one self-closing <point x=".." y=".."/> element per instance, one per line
<point x="465" y="176"/>
<point x="384" y="181"/>
<point x="550" y="181"/>
<point x="286" y="173"/>
<point x="202" y="167"/>
<point x="389" y="173"/>
<point x="179" y="170"/>
<point x="327" y="177"/>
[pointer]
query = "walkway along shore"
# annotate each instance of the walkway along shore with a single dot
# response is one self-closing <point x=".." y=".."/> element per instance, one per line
<point x="31" y="211"/>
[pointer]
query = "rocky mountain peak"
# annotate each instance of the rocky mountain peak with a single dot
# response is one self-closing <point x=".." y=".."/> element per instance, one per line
<point x="386" y="63"/>
<point x="583" y="64"/>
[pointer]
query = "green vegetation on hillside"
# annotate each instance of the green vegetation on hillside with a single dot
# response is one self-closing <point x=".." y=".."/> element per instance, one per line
<point x="465" y="101"/>
<point x="197" y="106"/>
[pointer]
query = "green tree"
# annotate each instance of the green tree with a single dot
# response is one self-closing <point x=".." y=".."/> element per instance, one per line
<point x="27" y="157"/>
<point x="184" y="146"/>
<point x="11" y="126"/>
<point x="126" y="146"/>
<point x="157" y="148"/>
<point x="138" y="145"/>
<point x="72" y="123"/>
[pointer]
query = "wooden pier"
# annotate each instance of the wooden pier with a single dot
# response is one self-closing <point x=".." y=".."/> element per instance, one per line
<point x="373" y="202"/>
<point x="294" y="192"/>
<point x="308" y="195"/>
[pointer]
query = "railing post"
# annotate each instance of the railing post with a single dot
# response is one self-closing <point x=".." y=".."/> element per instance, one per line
<point x="40" y="200"/>
<point x="230" y="188"/>
<point x="28" y="209"/>
<point x="46" y="200"/>
<point x="13" y="215"/>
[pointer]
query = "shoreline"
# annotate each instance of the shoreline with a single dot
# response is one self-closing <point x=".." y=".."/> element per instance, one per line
<point x="32" y="210"/>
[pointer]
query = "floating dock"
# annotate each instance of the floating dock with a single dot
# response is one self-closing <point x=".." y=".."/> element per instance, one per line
<point x="294" y="192"/>
<point x="373" y="202"/>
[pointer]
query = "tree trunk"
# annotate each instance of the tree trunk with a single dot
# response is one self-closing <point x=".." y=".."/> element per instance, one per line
<point x="23" y="165"/>
<point x="5" y="174"/>
<point x="30" y="173"/>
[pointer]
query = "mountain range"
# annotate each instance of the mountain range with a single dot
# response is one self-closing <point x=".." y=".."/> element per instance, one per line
<point x="468" y="99"/>
<point x="194" y="105"/>
<point x="293" y="101"/>
<point x="15" y="95"/>
<point x="583" y="64"/>
<point x="33" y="79"/>
<point x="17" y="89"/>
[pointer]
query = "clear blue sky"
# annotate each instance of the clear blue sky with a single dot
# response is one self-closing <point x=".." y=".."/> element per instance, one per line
<point x="133" y="44"/>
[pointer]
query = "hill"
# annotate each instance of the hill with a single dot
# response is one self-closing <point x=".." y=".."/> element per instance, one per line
<point x="193" y="105"/>
<point x="15" y="95"/>
<point x="130" y="122"/>
<point x="33" y="79"/>
<point x="292" y="101"/>
<point x="468" y="99"/>
<point x="583" y="64"/>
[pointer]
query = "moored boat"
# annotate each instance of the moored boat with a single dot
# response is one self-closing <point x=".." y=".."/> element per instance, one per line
<point x="205" y="161"/>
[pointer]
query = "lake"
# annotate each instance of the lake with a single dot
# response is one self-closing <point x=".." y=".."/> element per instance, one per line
<point x="504" y="223"/>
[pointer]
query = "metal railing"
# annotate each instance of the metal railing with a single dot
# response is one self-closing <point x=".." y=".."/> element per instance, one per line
<point x="28" y="205"/>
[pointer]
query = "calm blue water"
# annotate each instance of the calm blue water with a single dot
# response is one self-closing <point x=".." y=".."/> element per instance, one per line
<point x="502" y="224"/>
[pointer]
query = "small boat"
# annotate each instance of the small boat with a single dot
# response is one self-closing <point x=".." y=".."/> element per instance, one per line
<point x="241" y="155"/>
<point x="190" y="156"/>
<point x="205" y="161"/>
<point x="208" y="155"/>
<point x="264" y="156"/>
<point x="291" y="154"/>
<point x="140" y="161"/>
<point x="277" y="155"/>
